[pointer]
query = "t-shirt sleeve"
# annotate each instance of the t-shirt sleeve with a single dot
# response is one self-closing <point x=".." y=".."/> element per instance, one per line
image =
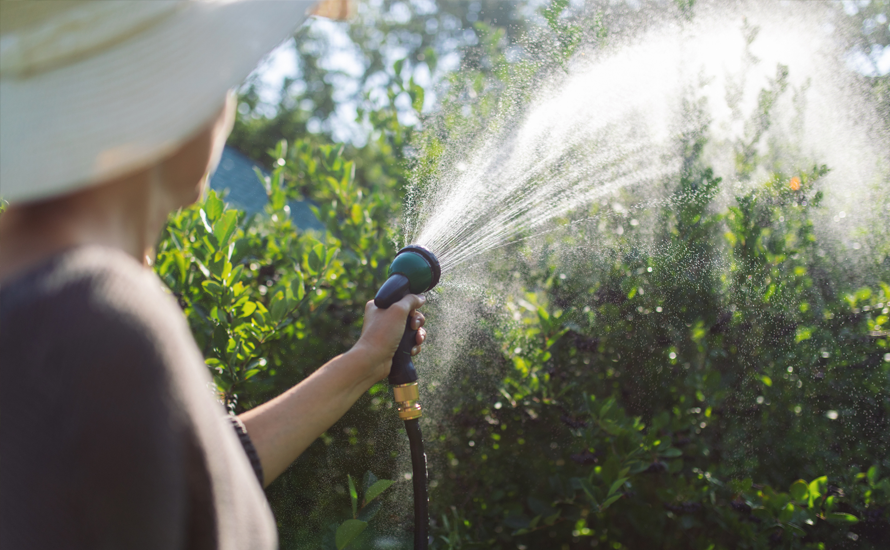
<point x="95" y="449"/>
<point x="249" y="449"/>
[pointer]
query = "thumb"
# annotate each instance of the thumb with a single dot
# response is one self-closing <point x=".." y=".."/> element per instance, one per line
<point x="410" y="302"/>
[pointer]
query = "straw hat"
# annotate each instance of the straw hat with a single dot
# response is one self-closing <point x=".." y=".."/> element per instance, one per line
<point x="91" y="90"/>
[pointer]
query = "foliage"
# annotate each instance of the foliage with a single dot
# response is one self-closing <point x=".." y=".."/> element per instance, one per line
<point x="637" y="391"/>
<point x="726" y="387"/>
<point x="268" y="303"/>
<point x="342" y="535"/>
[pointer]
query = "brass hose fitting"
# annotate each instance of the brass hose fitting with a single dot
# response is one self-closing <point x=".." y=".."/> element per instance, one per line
<point x="407" y="396"/>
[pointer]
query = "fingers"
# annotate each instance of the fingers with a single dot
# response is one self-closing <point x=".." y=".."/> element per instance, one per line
<point x="419" y="339"/>
<point x="418" y="319"/>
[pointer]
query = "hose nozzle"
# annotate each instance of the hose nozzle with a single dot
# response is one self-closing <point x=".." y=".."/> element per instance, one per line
<point x="415" y="269"/>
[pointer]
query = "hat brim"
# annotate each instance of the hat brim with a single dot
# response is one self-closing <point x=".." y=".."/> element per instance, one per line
<point x="127" y="107"/>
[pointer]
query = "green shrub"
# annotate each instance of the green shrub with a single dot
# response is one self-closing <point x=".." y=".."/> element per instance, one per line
<point x="724" y="387"/>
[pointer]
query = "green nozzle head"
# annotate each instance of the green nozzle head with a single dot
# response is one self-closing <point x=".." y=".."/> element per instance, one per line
<point x="415" y="269"/>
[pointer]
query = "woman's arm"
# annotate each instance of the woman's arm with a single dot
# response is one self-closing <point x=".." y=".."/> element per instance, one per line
<point x="284" y="427"/>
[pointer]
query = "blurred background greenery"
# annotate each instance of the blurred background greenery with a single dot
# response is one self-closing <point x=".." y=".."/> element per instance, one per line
<point x="729" y="391"/>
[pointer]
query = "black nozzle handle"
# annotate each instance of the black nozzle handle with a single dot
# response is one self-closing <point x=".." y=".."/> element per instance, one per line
<point x="403" y="370"/>
<point x="394" y="289"/>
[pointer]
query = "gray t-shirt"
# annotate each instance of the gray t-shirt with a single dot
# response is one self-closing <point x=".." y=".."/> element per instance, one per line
<point x="110" y="436"/>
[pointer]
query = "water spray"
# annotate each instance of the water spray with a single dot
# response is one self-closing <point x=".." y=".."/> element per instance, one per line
<point x="414" y="270"/>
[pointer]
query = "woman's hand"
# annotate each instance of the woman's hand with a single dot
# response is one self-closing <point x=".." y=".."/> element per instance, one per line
<point x="382" y="331"/>
<point x="284" y="427"/>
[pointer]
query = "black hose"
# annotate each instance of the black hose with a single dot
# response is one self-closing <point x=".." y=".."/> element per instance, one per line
<point x="418" y="476"/>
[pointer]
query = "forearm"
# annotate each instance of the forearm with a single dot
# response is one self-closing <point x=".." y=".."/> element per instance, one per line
<point x="284" y="427"/>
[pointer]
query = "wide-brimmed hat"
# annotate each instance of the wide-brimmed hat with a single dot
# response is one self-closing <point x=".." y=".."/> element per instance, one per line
<point x="91" y="90"/>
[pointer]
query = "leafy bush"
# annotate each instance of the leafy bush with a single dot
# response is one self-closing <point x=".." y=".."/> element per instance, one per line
<point x="726" y="387"/>
<point x="624" y="411"/>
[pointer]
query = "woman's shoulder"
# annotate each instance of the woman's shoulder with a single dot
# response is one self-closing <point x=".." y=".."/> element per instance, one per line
<point x="93" y="297"/>
<point x="100" y="280"/>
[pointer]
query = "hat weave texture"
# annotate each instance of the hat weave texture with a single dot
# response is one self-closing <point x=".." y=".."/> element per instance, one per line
<point x="99" y="89"/>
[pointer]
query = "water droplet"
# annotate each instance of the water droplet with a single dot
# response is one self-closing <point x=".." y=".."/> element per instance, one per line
<point x="658" y="309"/>
<point x="831" y="415"/>
<point x="498" y="405"/>
<point x="759" y="400"/>
<point x="672" y="355"/>
<point x="887" y="357"/>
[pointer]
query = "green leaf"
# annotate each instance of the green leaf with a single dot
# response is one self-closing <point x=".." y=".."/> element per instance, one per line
<point x="818" y="487"/>
<point x="203" y="215"/>
<point x="247" y="309"/>
<point x="416" y="92"/>
<point x="617" y="485"/>
<point x="837" y="517"/>
<point x="863" y="294"/>
<point x="767" y="381"/>
<point x="786" y="513"/>
<point x="315" y="259"/>
<point x="213" y="206"/>
<point x="297" y="286"/>
<point x="673" y="452"/>
<point x="376" y="488"/>
<point x="609" y="501"/>
<point x="279" y="306"/>
<point x="429" y="55"/>
<point x="799" y="490"/>
<point x="214" y="288"/>
<point x="356" y="214"/>
<point x="872" y="475"/>
<point x="353" y="495"/>
<point x="225" y="227"/>
<point x="348" y="530"/>
<point x="264" y="180"/>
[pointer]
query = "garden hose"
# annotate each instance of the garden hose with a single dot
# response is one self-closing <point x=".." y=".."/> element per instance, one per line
<point x="414" y="270"/>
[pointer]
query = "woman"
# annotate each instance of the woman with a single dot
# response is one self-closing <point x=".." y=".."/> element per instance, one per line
<point x="111" y="116"/>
